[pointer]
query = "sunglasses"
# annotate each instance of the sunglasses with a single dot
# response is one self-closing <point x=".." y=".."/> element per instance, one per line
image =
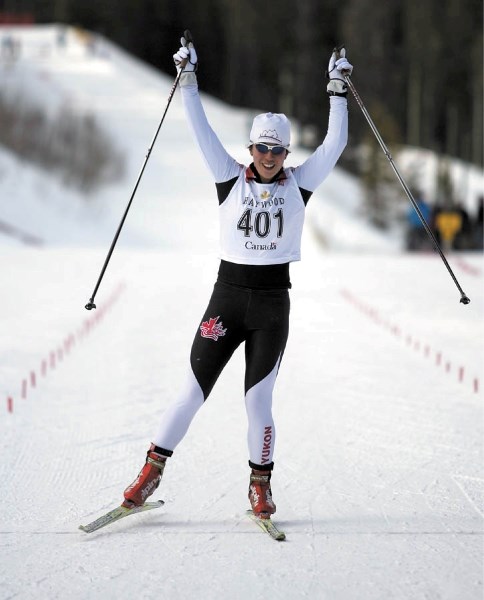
<point x="264" y="149"/>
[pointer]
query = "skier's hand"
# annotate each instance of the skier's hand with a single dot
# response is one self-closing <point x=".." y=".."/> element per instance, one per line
<point x="186" y="58"/>
<point x="338" y="67"/>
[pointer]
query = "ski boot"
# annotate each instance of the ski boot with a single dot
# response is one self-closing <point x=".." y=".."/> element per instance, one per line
<point x="260" y="494"/>
<point x="148" y="479"/>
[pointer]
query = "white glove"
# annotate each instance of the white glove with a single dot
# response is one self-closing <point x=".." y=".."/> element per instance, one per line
<point x="186" y="61"/>
<point x="338" y="67"/>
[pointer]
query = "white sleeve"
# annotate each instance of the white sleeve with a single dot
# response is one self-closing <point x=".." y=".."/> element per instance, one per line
<point x="222" y="166"/>
<point x="317" y="167"/>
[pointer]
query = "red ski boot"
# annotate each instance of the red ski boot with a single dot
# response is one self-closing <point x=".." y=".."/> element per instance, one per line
<point x="147" y="481"/>
<point x="260" y="494"/>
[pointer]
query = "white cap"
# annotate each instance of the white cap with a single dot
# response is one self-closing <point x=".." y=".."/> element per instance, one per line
<point x="271" y="128"/>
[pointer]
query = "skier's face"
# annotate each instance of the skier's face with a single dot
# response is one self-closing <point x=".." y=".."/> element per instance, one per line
<point x="267" y="163"/>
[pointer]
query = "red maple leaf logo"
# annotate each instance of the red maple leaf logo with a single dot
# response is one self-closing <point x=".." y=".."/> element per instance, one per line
<point x="211" y="329"/>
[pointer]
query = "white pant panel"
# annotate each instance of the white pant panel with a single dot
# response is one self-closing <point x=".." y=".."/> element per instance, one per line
<point x="261" y="435"/>
<point x="178" y="416"/>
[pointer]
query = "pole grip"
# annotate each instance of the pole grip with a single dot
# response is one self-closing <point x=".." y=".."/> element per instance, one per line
<point x="337" y="50"/>
<point x="189" y="40"/>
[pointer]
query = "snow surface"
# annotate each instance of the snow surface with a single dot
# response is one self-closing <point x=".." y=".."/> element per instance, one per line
<point x="379" y="462"/>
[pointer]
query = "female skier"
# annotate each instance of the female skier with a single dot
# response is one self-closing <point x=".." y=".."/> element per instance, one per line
<point x="261" y="219"/>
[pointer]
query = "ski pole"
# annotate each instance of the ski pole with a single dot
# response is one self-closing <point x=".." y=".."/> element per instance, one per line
<point x="90" y="305"/>
<point x="464" y="298"/>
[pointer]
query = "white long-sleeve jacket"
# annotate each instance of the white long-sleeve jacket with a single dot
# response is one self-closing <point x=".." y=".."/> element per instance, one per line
<point x="261" y="223"/>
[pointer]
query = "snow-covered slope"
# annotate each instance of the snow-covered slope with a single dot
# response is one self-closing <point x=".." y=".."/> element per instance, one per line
<point x="128" y="98"/>
<point x="378" y="481"/>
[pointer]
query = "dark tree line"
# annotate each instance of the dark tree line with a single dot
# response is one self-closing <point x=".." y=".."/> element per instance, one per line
<point x="73" y="146"/>
<point x="419" y="63"/>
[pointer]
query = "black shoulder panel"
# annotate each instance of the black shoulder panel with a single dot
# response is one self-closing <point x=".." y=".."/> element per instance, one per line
<point x="306" y="194"/>
<point x="223" y="189"/>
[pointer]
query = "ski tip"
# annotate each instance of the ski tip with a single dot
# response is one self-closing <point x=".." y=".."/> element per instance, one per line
<point x="267" y="525"/>
<point x="118" y="513"/>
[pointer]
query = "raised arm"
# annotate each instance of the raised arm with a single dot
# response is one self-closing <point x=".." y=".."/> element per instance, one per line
<point x="317" y="167"/>
<point x="222" y="166"/>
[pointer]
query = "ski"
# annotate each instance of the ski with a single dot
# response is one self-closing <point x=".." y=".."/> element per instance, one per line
<point x="268" y="526"/>
<point x="118" y="513"/>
